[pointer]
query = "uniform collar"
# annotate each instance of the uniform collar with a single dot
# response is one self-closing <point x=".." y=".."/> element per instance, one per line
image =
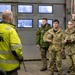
<point x="58" y="31"/>
<point x="70" y="32"/>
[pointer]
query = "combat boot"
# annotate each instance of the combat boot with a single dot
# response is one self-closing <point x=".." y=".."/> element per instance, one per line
<point x="43" y="68"/>
<point x="60" y="74"/>
<point x="51" y="73"/>
<point x="68" y="71"/>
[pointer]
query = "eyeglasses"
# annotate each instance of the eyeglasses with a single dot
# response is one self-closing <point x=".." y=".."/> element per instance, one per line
<point x="70" y="24"/>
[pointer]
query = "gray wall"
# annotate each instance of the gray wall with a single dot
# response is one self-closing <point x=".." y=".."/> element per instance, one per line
<point x="27" y="35"/>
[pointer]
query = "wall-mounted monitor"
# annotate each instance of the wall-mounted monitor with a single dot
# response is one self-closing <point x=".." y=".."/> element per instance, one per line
<point x="5" y="7"/>
<point x="25" y="23"/>
<point x="40" y="22"/>
<point x="25" y="9"/>
<point x="45" y="9"/>
<point x="0" y="20"/>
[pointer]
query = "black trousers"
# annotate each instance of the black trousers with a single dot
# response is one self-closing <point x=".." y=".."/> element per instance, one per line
<point x="14" y="73"/>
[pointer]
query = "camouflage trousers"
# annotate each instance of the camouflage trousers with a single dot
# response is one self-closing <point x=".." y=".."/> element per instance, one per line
<point x="55" y="57"/>
<point x="44" y="56"/>
<point x="14" y="73"/>
<point x="71" y="63"/>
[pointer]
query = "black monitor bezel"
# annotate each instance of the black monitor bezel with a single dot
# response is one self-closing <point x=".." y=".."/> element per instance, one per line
<point x="24" y="19"/>
<point x="7" y="4"/>
<point x="24" y="12"/>
<point x="44" y="5"/>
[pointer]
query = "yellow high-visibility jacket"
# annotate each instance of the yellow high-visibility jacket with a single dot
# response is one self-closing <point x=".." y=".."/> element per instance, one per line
<point x="9" y="41"/>
<point x="10" y="24"/>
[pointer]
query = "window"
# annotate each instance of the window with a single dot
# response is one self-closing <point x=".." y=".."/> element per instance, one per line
<point x="40" y="22"/>
<point x="44" y="9"/>
<point x="22" y="23"/>
<point x="25" y="9"/>
<point x="4" y="7"/>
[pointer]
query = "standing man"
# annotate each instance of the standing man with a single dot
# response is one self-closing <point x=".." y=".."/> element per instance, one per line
<point x="69" y="45"/>
<point x="54" y="37"/>
<point x="40" y="43"/>
<point x="10" y="45"/>
<point x="73" y="20"/>
<point x="73" y="17"/>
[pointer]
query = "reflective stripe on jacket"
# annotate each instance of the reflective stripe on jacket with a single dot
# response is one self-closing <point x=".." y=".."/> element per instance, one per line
<point x="9" y="41"/>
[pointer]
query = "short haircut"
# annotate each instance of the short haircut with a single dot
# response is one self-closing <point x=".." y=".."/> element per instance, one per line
<point x="44" y="19"/>
<point x="56" y="21"/>
<point x="71" y="21"/>
<point x="6" y="14"/>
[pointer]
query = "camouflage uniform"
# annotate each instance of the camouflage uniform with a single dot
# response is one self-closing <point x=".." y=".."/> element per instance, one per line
<point x="54" y="49"/>
<point x="43" y="45"/>
<point x="74" y="28"/>
<point x="70" y="49"/>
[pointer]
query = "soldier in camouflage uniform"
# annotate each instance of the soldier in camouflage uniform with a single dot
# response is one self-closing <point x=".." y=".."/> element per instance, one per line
<point x="69" y="45"/>
<point x="54" y="37"/>
<point x="73" y="18"/>
<point x="40" y="43"/>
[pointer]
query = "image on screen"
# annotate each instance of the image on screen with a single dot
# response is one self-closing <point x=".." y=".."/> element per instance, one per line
<point x="25" y="9"/>
<point x="25" y="23"/>
<point x="5" y="7"/>
<point x="44" y="9"/>
<point x="0" y="20"/>
<point x="40" y="23"/>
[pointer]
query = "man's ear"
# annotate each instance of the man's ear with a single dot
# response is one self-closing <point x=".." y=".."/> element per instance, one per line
<point x="10" y="19"/>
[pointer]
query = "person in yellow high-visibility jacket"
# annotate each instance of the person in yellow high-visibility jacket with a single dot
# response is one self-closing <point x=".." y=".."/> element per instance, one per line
<point x="10" y="45"/>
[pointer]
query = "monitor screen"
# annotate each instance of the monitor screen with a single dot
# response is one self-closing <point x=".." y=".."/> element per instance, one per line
<point x="44" y="9"/>
<point x="22" y="23"/>
<point x="25" y="9"/>
<point x="40" y="22"/>
<point x="5" y="7"/>
<point x="0" y="20"/>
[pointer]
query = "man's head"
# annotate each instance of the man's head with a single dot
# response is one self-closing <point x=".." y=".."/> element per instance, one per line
<point x="73" y="16"/>
<point x="44" y="21"/>
<point x="70" y="25"/>
<point x="7" y="16"/>
<point x="55" y="23"/>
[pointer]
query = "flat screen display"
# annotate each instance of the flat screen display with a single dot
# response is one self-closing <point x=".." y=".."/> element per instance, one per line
<point x="40" y="23"/>
<point x="5" y="7"/>
<point x="0" y="20"/>
<point x="25" y="9"/>
<point x="44" y="9"/>
<point x="25" y="23"/>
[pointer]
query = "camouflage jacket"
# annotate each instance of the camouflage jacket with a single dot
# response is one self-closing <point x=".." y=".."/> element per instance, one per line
<point x="39" y="35"/>
<point x="56" y="38"/>
<point x="69" y="46"/>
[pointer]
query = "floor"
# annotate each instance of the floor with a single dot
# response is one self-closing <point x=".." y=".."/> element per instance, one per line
<point x="33" y="68"/>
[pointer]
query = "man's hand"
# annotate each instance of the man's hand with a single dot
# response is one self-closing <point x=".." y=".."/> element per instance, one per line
<point x="37" y="46"/>
<point x="50" y="41"/>
<point x="72" y="40"/>
<point x="65" y="41"/>
<point x="62" y="50"/>
<point x="20" y="60"/>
